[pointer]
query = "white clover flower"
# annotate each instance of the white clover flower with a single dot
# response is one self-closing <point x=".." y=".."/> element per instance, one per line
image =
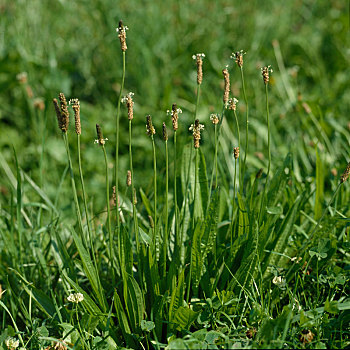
<point x="279" y="281"/>
<point x="75" y="298"/>
<point x="12" y="343"/>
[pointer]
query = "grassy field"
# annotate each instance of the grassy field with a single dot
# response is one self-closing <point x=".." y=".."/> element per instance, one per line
<point x="231" y="226"/>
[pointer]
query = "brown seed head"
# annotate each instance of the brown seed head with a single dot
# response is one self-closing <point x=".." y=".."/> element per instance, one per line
<point x="196" y="130"/>
<point x="129" y="104"/>
<point x="226" y="86"/>
<point x="346" y="174"/>
<point x="232" y="104"/>
<point x="265" y="72"/>
<point x="39" y="104"/>
<point x="238" y="57"/>
<point x="58" y="113"/>
<point x="114" y="196"/>
<point x="236" y="152"/>
<point x="100" y="140"/>
<point x="76" y="109"/>
<point x="121" y="30"/>
<point x="64" y="112"/>
<point x="165" y="133"/>
<point x="128" y="178"/>
<point x="199" y="60"/>
<point x="250" y="333"/>
<point x="149" y="126"/>
<point x="214" y="118"/>
<point x="174" y="115"/>
<point x="22" y="77"/>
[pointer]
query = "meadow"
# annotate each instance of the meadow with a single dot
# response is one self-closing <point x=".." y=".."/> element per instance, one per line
<point x="177" y="179"/>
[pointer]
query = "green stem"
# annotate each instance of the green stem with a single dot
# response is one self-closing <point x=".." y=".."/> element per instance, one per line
<point x="239" y="146"/>
<point x="247" y="122"/>
<point x="133" y="189"/>
<point x="75" y="196"/>
<point x="175" y="194"/>
<point x="117" y="141"/>
<point x="165" y="240"/>
<point x="108" y="208"/>
<point x="216" y="156"/>
<point x="268" y="149"/>
<point x="155" y="186"/>
<point x="233" y="203"/>
<point x="195" y="185"/>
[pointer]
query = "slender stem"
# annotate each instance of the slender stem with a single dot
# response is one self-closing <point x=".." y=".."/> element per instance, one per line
<point x="155" y="186"/>
<point x="75" y="196"/>
<point x="165" y="240"/>
<point x="175" y="194"/>
<point x="195" y="185"/>
<point x="133" y="189"/>
<point x="268" y="149"/>
<point x="197" y="101"/>
<point x="108" y="208"/>
<point x="84" y="195"/>
<point x="239" y="146"/>
<point x="216" y="156"/>
<point x="117" y="141"/>
<point x="233" y="203"/>
<point x="247" y="122"/>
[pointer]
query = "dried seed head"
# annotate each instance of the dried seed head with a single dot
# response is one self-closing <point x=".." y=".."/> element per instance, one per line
<point x="129" y="104"/>
<point x="64" y="112"/>
<point x="58" y="113"/>
<point x="236" y="152"/>
<point x="238" y="57"/>
<point x="174" y="115"/>
<point x="250" y="333"/>
<point x="226" y="86"/>
<point x="232" y="104"/>
<point x="76" y="109"/>
<point x="121" y="30"/>
<point x="265" y="72"/>
<point x="149" y="126"/>
<point x="214" y="118"/>
<point x="199" y="60"/>
<point x="165" y="133"/>
<point x="346" y="174"/>
<point x="259" y="173"/>
<point x="196" y="130"/>
<point x="100" y="140"/>
<point x="128" y="178"/>
<point x="22" y="77"/>
<point x="39" y="104"/>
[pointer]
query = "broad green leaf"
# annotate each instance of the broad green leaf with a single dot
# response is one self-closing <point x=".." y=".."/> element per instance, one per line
<point x="203" y="179"/>
<point x="177" y="296"/>
<point x="184" y="317"/>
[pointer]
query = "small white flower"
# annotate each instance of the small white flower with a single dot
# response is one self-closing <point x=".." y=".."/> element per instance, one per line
<point x="236" y="54"/>
<point x="12" y="343"/>
<point x="279" y="281"/>
<point x="102" y="142"/>
<point x="196" y="128"/>
<point x="124" y="29"/>
<point x="127" y="97"/>
<point x="198" y="55"/>
<point x="214" y="118"/>
<point x="75" y="298"/>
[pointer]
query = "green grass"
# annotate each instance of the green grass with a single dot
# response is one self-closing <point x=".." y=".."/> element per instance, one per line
<point x="236" y="257"/>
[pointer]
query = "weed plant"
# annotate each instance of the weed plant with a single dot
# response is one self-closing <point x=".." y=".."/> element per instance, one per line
<point x="216" y="255"/>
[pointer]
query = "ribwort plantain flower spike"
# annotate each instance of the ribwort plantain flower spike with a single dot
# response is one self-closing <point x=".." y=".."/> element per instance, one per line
<point x="174" y="113"/>
<point x="226" y="86"/>
<point x="129" y="104"/>
<point x="121" y="30"/>
<point x="214" y="118"/>
<point x="238" y="57"/>
<point x="236" y="152"/>
<point x="76" y="109"/>
<point x="100" y="140"/>
<point x="345" y="174"/>
<point x="232" y="104"/>
<point x="196" y="130"/>
<point x="199" y="60"/>
<point x="149" y="126"/>
<point x="265" y="72"/>
<point x="64" y="112"/>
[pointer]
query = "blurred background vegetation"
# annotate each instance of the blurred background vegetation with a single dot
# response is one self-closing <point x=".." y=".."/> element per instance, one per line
<point x="72" y="46"/>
